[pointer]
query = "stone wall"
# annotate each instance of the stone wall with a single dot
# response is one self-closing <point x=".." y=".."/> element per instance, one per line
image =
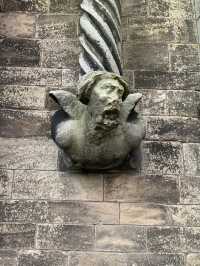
<point x="54" y="218"/>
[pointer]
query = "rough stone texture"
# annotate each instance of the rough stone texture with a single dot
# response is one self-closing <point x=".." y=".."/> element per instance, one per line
<point x="148" y="217"/>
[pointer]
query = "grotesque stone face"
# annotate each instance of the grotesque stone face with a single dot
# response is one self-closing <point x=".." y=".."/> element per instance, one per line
<point x="105" y="103"/>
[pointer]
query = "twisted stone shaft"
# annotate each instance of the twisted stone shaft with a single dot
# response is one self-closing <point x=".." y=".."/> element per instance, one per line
<point x="100" y="36"/>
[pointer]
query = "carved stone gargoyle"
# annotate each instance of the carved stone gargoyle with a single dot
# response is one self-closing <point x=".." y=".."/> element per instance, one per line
<point x="101" y="129"/>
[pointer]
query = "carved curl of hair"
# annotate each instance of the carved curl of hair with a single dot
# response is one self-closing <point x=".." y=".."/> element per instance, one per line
<point x="88" y="81"/>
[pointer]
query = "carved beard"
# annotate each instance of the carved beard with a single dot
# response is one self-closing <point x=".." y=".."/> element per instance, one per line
<point x="108" y="119"/>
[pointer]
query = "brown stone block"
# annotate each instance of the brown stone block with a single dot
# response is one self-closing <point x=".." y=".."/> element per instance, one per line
<point x="39" y="153"/>
<point x="124" y="259"/>
<point x="193" y="260"/>
<point x="57" y="26"/>
<point x="190" y="190"/>
<point x="8" y="258"/>
<point x="5" y="183"/>
<point x="70" y="6"/>
<point x="19" y="52"/>
<point x="23" y="211"/>
<point x="141" y="189"/>
<point x="57" y="186"/>
<point x="184" y="57"/>
<point x="167" y="80"/>
<point x="146" y="56"/>
<point x="42" y="258"/>
<point x="83" y="212"/>
<point x="191" y="159"/>
<point x="16" y="5"/>
<point x="18" y="123"/>
<point x="22" y="97"/>
<point x="16" y="236"/>
<point x="164" y="239"/>
<point x="30" y="76"/>
<point x="134" y="8"/>
<point x="60" y="53"/>
<point x="122" y="238"/>
<point x="191" y="239"/>
<point x="162" y="158"/>
<point x="17" y="25"/>
<point x="173" y="129"/>
<point x="65" y="237"/>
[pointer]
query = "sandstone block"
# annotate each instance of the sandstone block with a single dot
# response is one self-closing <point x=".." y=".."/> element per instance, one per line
<point x="193" y="260"/>
<point x="136" y="8"/>
<point x="16" y="236"/>
<point x="191" y="236"/>
<point x="57" y="26"/>
<point x="57" y="186"/>
<point x="83" y="212"/>
<point x="5" y="183"/>
<point x="71" y="6"/>
<point x="19" y="52"/>
<point x="43" y="258"/>
<point x="22" y="97"/>
<point x="30" y="76"/>
<point x="146" y="56"/>
<point x="165" y="158"/>
<point x="70" y="78"/>
<point x="32" y="5"/>
<point x="159" y="8"/>
<point x="8" y="258"/>
<point x="23" y="211"/>
<point x="65" y="237"/>
<point x="190" y="190"/>
<point x="60" y="53"/>
<point x="17" y="25"/>
<point x="38" y="153"/>
<point x="164" y="239"/>
<point x="191" y="159"/>
<point x="122" y="238"/>
<point x="141" y="189"/>
<point x="18" y="123"/>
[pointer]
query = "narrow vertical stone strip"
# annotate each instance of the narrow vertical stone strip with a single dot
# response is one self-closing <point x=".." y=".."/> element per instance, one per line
<point x="100" y="37"/>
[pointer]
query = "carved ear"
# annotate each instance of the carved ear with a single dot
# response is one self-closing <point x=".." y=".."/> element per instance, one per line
<point x="130" y="103"/>
<point x="68" y="102"/>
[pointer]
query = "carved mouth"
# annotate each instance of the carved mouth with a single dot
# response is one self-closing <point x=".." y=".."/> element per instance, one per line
<point x="111" y="114"/>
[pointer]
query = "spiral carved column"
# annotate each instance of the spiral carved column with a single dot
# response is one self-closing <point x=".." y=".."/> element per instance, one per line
<point x="100" y="36"/>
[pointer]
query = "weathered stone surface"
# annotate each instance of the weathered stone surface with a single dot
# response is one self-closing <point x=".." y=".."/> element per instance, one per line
<point x="60" y="53"/>
<point x="5" y="183"/>
<point x="83" y="212"/>
<point x="71" y="6"/>
<point x="159" y="8"/>
<point x="173" y="129"/>
<point x="164" y="239"/>
<point x="57" y="185"/>
<point x="30" y="76"/>
<point x="185" y="30"/>
<point x="8" y="258"/>
<point x="184" y="57"/>
<point x="191" y="159"/>
<point x="122" y="259"/>
<point x="38" y="153"/>
<point x="122" y="238"/>
<point x="65" y="237"/>
<point x="17" y="123"/>
<point x="57" y="26"/>
<point x="183" y="103"/>
<point x="129" y="188"/>
<point x="162" y="157"/>
<point x="167" y="80"/>
<point x="153" y="29"/>
<point x="22" y="97"/>
<point x="23" y="211"/>
<point x="17" y="25"/>
<point x="152" y="214"/>
<point x="190" y="190"/>
<point x="42" y="258"/>
<point x="17" y="236"/>
<point x="156" y="56"/>
<point x="19" y="52"/>
<point x="70" y="77"/>
<point x="191" y="237"/>
<point x="19" y="5"/>
<point x="193" y="260"/>
<point x="136" y="8"/>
